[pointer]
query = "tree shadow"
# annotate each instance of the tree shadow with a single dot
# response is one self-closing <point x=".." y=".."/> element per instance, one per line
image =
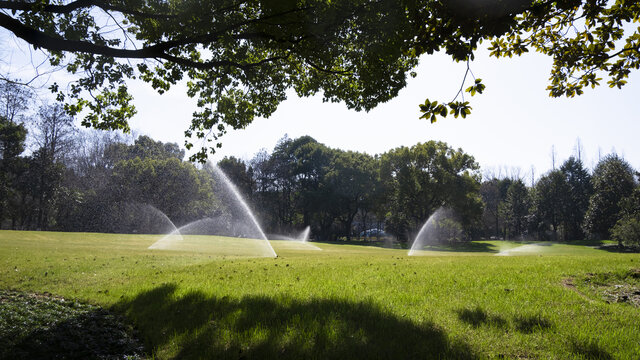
<point x="471" y="246"/>
<point x="585" y="242"/>
<point x="204" y="326"/>
<point x="96" y="334"/>
<point x="615" y="248"/>
<point x="369" y="243"/>
<point x="478" y="317"/>
<point x="531" y="323"/>
<point x="524" y="324"/>
<point x="589" y="350"/>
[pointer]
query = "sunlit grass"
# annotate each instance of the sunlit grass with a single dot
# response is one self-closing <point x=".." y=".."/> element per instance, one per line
<point x="223" y="246"/>
<point x="345" y="301"/>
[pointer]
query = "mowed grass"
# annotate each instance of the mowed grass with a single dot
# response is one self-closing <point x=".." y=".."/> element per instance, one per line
<point x="346" y="301"/>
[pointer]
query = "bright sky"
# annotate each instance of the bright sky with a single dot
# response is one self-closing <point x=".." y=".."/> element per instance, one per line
<point x="514" y="124"/>
<point x="513" y="127"/>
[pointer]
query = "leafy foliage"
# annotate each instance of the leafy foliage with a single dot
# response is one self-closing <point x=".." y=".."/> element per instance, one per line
<point x="43" y="326"/>
<point x="240" y="59"/>
<point x="612" y="181"/>
<point x="627" y="230"/>
<point x="12" y="140"/>
<point x="515" y="209"/>
<point x="550" y="198"/>
<point x="588" y="40"/>
<point x="560" y="200"/>
<point x="494" y="193"/>
<point x="108" y="185"/>
<point x="425" y="177"/>
<point x="579" y="185"/>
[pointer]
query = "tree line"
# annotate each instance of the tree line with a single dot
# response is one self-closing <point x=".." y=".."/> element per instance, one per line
<point x="58" y="177"/>
<point x="342" y="194"/>
<point x="77" y="180"/>
<point x="566" y="204"/>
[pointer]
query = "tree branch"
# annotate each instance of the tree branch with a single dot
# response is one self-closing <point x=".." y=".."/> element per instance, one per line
<point x="328" y="71"/>
<point x="464" y="79"/>
<point x="78" y="4"/>
<point x="40" y="39"/>
<point x="212" y="36"/>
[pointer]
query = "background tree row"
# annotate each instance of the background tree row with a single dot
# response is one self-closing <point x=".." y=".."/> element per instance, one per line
<point x="566" y="204"/>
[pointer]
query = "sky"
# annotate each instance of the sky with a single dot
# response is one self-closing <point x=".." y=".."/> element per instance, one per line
<point x="514" y="127"/>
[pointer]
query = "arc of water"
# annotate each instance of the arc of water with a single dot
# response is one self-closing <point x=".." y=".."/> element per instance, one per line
<point x="187" y="229"/>
<point x="176" y="232"/>
<point x="245" y="207"/>
<point x="417" y="244"/>
<point x="304" y="236"/>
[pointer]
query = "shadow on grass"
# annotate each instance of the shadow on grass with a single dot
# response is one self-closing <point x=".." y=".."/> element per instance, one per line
<point x="606" y="245"/>
<point x="530" y="324"/>
<point x="478" y="317"/>
<point x="471" y="246"/>
<point x="369" y="243"/>
<point x="42" y="327"/>
<point x="615" y="248"/>
<point x="589" y="350"/>
<point x="586" y="242"/>
<point x="524" y="324"/>
<point x="464" y="247"/>
<point x="255" y="327"/>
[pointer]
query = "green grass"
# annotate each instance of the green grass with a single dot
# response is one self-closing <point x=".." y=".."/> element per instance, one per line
<point x="346" y="301"/>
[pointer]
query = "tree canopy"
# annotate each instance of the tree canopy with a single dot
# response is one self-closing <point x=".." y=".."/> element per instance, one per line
<point x="421" y="179"/>
<point x="239" y="58"/>
<point x="612" y="181"/>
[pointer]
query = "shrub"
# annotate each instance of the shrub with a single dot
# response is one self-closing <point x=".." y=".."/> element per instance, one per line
<point x="627" y="231"/>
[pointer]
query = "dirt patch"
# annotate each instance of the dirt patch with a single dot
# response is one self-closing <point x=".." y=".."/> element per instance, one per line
<point x="622" y="294"/>
<point x="568" y="284"/>
<point x="610" y="287"/>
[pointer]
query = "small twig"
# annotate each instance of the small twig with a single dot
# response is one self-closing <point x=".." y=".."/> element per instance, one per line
<point x="464" y="79"/>
<point x="328" y="71"/>
<point x="124" y="31"/>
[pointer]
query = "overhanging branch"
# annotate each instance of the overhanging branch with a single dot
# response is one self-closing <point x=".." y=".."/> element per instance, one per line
<point x="78" y="4"/>
<point x="40" y="39"/>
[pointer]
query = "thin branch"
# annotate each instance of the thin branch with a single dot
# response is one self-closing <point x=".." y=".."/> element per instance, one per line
<point x="124" y="31"/>
<point x="623" y="50"/>
<point x="264" y="35"/>
<point x="328" y="71"/>
<point x="464" y="79"/>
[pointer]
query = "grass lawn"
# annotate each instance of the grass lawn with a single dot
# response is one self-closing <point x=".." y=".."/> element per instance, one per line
<point x="346" y="301"/>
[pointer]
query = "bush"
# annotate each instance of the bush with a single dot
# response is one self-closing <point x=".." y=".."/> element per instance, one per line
<point x="627" y="231"/>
